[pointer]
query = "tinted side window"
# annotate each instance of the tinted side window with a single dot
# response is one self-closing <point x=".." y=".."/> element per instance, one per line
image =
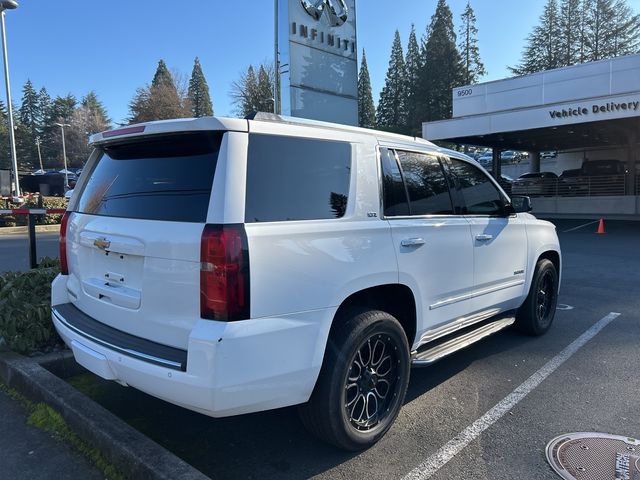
<point x="162" y="177"/>
<point x="426" y="184"/>
<point x="291" y="178"/>
<point x="394" y="193"/>
<point x="479" y="194"/>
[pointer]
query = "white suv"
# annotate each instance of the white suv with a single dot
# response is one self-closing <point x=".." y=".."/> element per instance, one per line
<point x="231" y="266"/>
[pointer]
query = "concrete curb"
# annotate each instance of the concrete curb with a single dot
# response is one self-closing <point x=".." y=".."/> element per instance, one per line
<point x="130" y="451"/>
<point x="23" y="230"/>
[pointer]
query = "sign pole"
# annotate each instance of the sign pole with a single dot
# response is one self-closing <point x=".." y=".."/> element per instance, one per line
<point x="276" y="63"/>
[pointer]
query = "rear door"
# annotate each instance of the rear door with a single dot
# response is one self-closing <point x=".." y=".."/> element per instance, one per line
<point x="499" y="240"/>
<point x="433" y="246"/>
<point x="133" y="243"/>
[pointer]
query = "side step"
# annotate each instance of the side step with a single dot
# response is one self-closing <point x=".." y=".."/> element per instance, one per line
<point x="435" y="353"/>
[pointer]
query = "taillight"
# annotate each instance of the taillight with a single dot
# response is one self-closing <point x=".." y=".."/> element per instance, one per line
<point x="224" y="273"/>
<point x="64" y="266"/>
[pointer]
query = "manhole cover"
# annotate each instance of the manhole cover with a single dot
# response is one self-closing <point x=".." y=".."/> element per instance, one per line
<point x="595" y="456"/>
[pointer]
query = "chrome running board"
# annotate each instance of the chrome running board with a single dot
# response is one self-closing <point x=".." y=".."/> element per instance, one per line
<point x="435" y="353"/>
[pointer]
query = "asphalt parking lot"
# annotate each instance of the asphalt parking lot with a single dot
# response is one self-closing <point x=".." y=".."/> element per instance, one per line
<point x="589" y="387"/>
<point x="14" y="249"/>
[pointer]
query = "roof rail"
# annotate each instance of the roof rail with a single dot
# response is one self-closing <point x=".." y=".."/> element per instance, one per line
<point x="272" y="117"/>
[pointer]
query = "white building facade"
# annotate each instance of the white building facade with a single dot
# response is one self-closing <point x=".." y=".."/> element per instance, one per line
<point x="586" y="113"/>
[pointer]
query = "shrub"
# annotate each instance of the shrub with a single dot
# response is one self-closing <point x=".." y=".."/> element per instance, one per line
<point x="25" y="309"/>
<point x="48" y="202"/>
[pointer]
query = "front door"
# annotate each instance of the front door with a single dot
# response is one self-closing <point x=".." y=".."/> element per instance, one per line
<point x="499" y="240"/>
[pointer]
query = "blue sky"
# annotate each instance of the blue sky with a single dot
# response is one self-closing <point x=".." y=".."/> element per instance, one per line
<point x="74" y="46"/>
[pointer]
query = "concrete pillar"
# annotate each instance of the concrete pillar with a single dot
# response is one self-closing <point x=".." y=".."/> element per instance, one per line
<point x="633" y="152"/>
<point x="496" y="169"/>
<point x="534" y="159"/>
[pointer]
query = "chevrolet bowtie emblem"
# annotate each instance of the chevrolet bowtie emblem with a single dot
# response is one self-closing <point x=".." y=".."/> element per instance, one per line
<point x="102" y="243"/>
<point x="337" y="16"/>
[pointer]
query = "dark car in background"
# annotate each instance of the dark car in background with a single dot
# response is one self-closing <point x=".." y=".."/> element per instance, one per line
<point x="538" y="183"/>
<point x="595" y="177"/>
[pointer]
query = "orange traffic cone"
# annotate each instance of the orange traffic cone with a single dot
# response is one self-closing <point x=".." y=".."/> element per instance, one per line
<point x="601" y="227"/>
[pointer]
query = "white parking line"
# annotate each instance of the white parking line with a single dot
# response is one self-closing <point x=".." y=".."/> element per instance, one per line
<point x="436" y="461"/>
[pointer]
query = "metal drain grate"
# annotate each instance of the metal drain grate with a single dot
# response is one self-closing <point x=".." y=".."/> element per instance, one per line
<point x="595" y="456"/>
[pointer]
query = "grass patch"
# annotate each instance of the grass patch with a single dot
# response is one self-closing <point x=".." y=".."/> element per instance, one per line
<point x="45" y="418"/>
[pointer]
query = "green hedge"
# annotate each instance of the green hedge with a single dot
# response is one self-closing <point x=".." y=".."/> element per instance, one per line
<point x="32" y="202"/>
<point x="25" y="309"/>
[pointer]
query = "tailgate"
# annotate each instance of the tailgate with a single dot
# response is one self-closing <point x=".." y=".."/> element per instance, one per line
<point x="133" y="241"/>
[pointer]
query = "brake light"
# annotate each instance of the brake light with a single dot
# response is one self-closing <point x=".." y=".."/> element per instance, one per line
<point x="224" y="273"/>
<point x="64" y="266"/>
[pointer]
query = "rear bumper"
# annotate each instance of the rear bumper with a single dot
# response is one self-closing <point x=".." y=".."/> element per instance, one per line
<point x="231" y="368"/>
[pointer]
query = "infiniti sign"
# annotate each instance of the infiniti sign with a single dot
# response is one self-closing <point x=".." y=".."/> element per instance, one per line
<point x="337" y="16"/>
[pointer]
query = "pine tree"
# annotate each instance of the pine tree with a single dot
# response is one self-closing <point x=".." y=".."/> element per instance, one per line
<point x="543" y="50"/>
<point x="391" y="114"/>
<point x="472" y="66"/>
<point x="442" y="66"/>
<point x="366" y="108"/>
<point x="612" y="29"/>
<point x="30" y="109"/>
<point x="570" y="32"/>
<point x="5" y="154"/>
<point x="97" y="119"/>
<point x="580" y="31"/>
<point x="159" y="101"/>
<point x="244" y="92"/>
<point x="264" y="100"/>
<point x="28" y="124"/>
<point x="413" y="66"/>
<point x="199" y="92"/>
<point x="44" y="107"/>
<point x="163" y="76"/>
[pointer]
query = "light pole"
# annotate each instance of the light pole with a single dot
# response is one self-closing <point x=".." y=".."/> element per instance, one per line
<point x="9" y="5"/>
<point x="64" y="154"/>
<point x="39" y="154"/>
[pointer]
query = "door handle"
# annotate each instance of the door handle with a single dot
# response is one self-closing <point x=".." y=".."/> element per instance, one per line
<point x="412" y="242"/>
<point x="484" y="238"/>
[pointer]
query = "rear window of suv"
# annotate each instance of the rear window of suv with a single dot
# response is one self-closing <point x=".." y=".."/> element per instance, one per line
<point x="166" y="177"/>
<point x="293" y="178"/>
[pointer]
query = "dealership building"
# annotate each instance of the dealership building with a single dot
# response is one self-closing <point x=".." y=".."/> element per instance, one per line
<point x="586" y="113"/>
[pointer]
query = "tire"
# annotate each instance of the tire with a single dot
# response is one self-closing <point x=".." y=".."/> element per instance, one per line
<point x="536" y="314"/>
<point x="336" y="411"/>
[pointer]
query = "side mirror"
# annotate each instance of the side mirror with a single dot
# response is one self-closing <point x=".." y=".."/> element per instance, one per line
<point x="521" y="204"/>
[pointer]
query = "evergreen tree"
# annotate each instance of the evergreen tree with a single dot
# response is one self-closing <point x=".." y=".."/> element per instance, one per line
<point x="570" y="32"/>
<point x="163" y="76"/>
<point x="62" y="108"/>
<point x="96" y="117"/>
<point x="5" y="153"/>
<point x="44" y="107"/>
<point x="612" y="29"/>
<point x="199" y="92"/>
<point x="244" y="92"/>
<point x="90" y="102"/>
<point x="472" y="66"/>
<point x="159" y="101"/>
<point x="30" y="109"/>
<point x="366" y="109"/>
<point x="580" y="31"/>
<point x="61" y="111"/>
<point x="264" y="100"/>
<point x="413" y="67"/>
<point x="28" y="125"/>
<point x="543" y="50"/>
<point x="442" y="66"/>
<point x="391" y="114"/>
